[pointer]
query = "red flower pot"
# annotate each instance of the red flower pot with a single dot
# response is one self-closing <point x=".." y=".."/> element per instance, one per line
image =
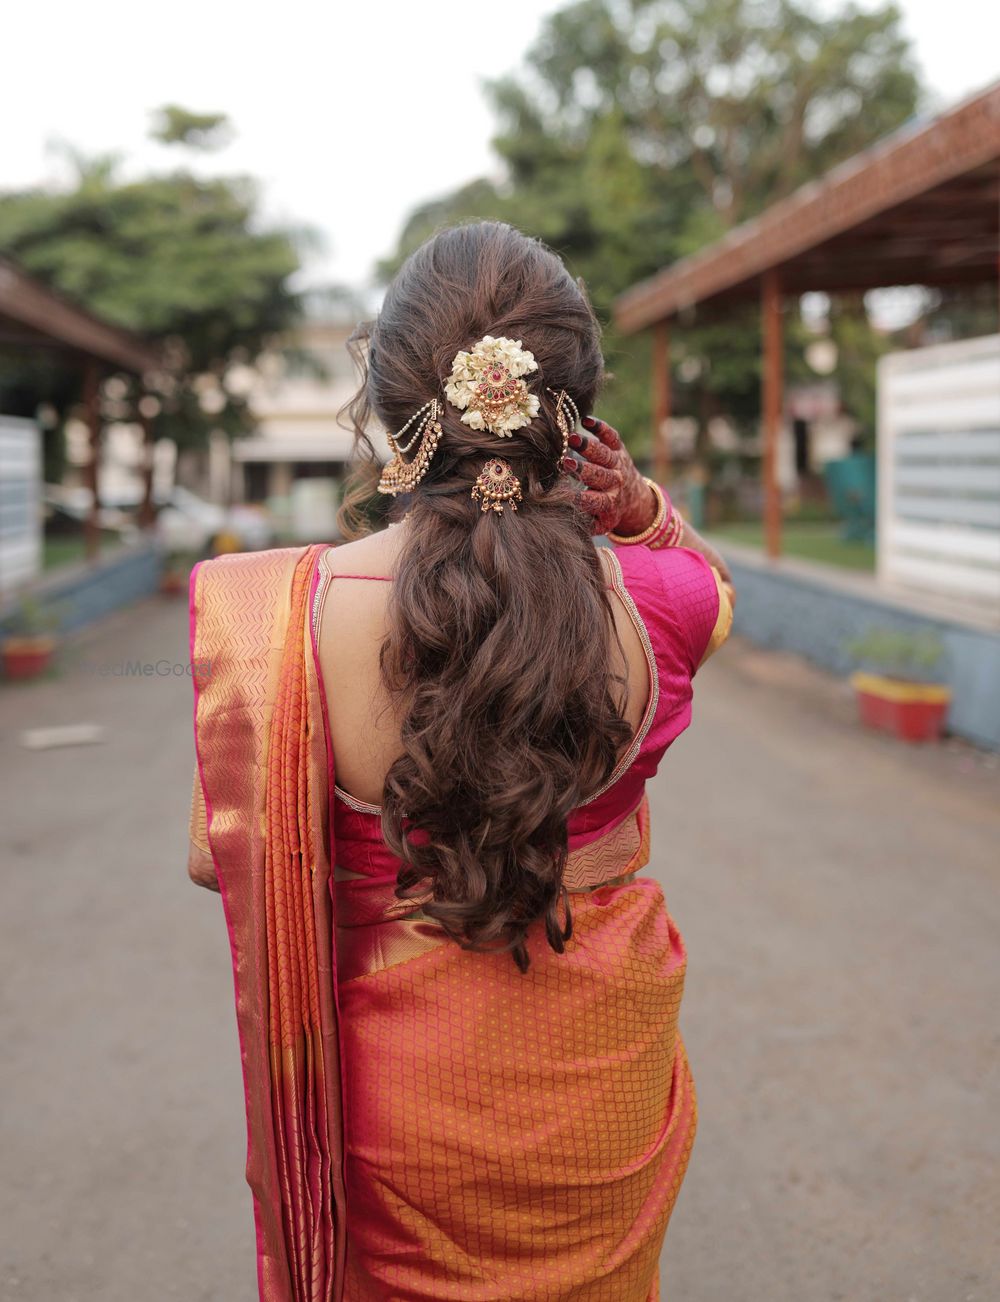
<point x="27" y="657"/>
<point x="910" y="711"/>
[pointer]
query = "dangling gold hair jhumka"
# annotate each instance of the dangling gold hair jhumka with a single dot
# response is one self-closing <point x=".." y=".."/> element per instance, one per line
<point x="497" y="486"/>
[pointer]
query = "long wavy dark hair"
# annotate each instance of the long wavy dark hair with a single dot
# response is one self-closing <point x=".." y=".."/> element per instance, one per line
<point x="497" y="652"/>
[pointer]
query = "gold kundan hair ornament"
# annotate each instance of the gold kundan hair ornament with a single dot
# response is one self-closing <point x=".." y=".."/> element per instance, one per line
<point x="486" y="384"/>
<point x="497" y="486"/>
<point x="567" y="418"/>
<point x="400" y="476"/>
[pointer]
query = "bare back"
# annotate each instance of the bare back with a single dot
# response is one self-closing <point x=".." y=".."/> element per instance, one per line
<point x="363" y="726"/>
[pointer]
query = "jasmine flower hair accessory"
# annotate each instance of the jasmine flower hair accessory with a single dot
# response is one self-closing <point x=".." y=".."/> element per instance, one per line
<point x="486" y="383"/>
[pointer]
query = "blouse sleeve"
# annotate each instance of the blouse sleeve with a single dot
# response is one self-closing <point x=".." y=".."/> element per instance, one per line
<point x="724" y="620"/>
<point x="697" y="599"/>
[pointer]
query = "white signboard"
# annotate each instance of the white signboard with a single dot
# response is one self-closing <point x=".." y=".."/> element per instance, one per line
<point x="939" y="471"/>
<point x="20" y="504"/>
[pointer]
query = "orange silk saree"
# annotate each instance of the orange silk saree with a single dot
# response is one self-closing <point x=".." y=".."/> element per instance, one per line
<point x="426" y="1123"/>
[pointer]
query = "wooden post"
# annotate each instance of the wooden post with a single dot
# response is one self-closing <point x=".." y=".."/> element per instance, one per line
<point x="147" y="513"/>
<point x="92" y="417"/>
<point x="772" y="403"/>
<point x="661" y="401"/>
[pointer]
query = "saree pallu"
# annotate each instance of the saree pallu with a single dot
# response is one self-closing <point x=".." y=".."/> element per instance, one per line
<point x="424" y="1122"/>
<point x="262" y="781"/>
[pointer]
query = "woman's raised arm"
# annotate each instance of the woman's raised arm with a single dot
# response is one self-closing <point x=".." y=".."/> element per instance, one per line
<point x="619" y="498"/>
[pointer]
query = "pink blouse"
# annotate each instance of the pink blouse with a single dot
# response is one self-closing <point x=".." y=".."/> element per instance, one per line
<point x="674" y="600"/>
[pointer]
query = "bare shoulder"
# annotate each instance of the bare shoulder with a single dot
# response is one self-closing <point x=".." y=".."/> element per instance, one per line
<point x="374" y="555"/>
<point x="353" y="604"/>
<point x="352" y="629"/>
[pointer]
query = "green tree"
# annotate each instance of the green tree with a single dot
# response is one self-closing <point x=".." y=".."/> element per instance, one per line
<point x="185" y="261"/>
<point x="858" y="349"/>
<point x="173" y="125"/>
<point x="637" y="131"/>
<point x="750" y="97"/>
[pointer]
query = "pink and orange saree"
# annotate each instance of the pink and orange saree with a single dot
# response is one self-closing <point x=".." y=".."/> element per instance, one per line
<point x="423" y="1122"/>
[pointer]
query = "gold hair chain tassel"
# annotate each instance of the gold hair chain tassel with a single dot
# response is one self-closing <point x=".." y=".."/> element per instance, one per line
<point x="400" y="476"/>
<point x="565" y="408"/>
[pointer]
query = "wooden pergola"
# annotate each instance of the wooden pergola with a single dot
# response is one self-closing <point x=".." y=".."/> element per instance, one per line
<point x="34" y="319"/>
<point x="921" y="207"/>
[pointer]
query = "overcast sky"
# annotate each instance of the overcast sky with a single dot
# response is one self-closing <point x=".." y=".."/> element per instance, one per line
<point x="349" y="112"/>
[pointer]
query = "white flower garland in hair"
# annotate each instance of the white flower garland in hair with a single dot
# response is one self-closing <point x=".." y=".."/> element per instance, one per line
<point x="486" y="384"/>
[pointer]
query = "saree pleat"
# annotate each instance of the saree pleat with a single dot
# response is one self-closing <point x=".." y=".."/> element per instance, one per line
<point x="520" y="1137"/>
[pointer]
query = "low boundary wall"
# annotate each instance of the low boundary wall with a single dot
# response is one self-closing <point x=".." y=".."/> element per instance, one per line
<point x="78" y="594"/>
<point x="799" y="607"/>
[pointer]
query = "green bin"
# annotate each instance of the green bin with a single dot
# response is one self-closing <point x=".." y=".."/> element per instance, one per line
<point x="850" y="483"/>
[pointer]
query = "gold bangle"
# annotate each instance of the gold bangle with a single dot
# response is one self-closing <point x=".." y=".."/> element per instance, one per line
<point x="672" y="534"/>
<point x="650" y="530"/>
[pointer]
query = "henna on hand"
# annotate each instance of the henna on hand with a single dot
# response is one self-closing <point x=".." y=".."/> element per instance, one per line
<point x="603" y="509"/>
<point x="627" y="506"/>
<point x="601" y="478"/>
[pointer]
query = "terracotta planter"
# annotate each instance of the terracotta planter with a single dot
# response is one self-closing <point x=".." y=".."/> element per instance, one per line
<point x="27" y="657"/>
<point x="911" y="711"/>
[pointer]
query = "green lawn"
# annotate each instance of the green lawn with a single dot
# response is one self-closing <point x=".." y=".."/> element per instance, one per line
<point x="67" y="549"/>
<point x="807" y="541"/>
<point x="62" y="550"/>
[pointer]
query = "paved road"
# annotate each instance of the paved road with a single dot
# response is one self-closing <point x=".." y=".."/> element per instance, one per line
<point x="840" y="896"/>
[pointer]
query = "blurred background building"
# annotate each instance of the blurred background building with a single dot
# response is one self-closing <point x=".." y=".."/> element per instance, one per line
<point x="296" y="461"/>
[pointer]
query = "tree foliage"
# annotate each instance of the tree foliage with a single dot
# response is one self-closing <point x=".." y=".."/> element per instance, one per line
<point x="183" y="260"/>
<point x="173" y="125"/>
<point x="637" y="131"/>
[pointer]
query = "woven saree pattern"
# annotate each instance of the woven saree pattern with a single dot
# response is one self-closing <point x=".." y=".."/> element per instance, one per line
<point x="302" y="1123"/>
<point x="520" y="1137"/>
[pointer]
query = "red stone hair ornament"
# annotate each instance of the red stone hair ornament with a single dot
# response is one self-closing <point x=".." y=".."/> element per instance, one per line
<point x="497" y="486"/>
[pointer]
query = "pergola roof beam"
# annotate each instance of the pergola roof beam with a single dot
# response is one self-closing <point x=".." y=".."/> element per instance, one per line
<point x="945" y="168"/>
<point x="32" y="316"/>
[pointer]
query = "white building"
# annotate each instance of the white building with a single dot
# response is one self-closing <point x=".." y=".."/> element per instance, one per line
<point x="295" y="463"/>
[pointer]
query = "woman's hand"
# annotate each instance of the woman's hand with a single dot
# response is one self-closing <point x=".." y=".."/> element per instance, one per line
<point x="618" y="498"/>
<point x="614" y="493"/>
<point x="201" y="868"/>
